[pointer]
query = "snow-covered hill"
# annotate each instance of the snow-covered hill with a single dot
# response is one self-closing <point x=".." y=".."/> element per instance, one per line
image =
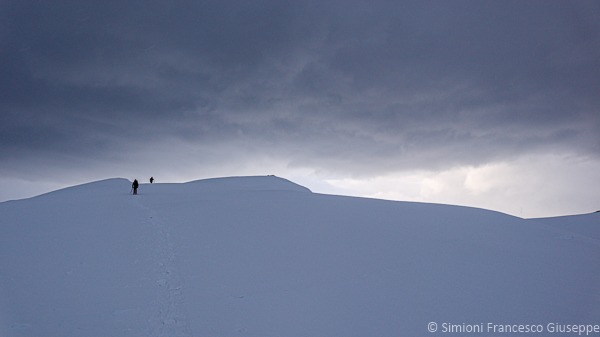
<point x="262" y="256"/>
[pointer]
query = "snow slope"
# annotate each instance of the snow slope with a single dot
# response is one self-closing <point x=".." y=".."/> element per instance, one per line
<point x="262" y="256"/>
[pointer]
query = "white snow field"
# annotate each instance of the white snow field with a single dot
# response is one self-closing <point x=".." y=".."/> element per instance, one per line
<point x="262" y="256"/>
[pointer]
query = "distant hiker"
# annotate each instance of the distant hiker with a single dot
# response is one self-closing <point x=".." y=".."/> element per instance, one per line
<point x="151" y="180"/>
<point x="135" y="186"/>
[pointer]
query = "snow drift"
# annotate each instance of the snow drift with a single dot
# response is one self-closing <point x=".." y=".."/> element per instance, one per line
<point x="262" y="256"/>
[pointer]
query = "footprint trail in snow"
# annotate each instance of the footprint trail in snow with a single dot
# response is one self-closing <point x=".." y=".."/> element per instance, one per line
<point x="171" y="320"/>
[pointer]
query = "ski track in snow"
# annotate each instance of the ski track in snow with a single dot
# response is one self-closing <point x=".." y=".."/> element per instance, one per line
<point x="171" y="319"/>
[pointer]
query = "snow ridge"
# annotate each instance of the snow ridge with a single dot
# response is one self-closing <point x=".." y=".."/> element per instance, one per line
<point x="254" y="183"/>
<point x="264" y="257"/>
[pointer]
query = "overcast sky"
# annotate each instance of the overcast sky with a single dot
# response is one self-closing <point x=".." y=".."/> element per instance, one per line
<point x="492" y="104"/>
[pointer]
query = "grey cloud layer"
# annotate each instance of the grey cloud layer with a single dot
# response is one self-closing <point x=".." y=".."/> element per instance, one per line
<point x="343" y="85"/>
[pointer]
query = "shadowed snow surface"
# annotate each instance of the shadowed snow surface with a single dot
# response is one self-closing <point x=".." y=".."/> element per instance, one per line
<point x="262" y="256"/>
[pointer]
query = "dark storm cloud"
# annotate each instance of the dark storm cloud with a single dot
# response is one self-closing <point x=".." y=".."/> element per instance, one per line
<point x="343" y="85"/>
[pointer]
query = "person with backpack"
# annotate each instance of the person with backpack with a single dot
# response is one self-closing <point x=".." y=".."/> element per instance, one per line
<point x="134" y="186"/>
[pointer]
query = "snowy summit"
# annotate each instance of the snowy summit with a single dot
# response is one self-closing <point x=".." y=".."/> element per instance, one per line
<point x="262" y="256"/>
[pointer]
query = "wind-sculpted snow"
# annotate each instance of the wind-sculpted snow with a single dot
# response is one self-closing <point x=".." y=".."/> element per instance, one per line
<point x="262" y="256"/>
